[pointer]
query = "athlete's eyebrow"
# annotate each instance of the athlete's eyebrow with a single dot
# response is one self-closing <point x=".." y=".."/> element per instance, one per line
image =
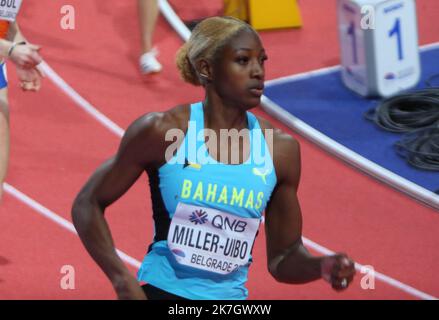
<point x="248" y="49"/>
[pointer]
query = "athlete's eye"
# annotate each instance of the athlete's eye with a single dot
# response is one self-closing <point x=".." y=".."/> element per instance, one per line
<point x="243" y="60"/>
<point x="263" y="59"/>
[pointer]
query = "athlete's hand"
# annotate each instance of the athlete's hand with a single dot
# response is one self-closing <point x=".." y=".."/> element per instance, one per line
<point x="127" y="288"/>
<point x="30" y="79"/>
<point x="338" y="270"/>
<point x="26" y="56"/>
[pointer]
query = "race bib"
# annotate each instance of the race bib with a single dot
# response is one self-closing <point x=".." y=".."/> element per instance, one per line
<point x="210" y="239"/>
<point x="9" y="9"/>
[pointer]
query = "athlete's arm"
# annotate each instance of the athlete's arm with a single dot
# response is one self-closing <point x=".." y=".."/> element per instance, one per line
<point x="14" y="33"/>
<point x="25" y="55"/>
<point x="139" y="149"/>
<point x="288" y="260"/>
<point x="26" y="58"/>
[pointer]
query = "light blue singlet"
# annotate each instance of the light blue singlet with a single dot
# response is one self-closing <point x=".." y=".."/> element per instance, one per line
<point x="195" y="178"/>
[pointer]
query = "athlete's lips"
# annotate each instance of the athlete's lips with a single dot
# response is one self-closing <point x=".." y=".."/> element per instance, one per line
<point x="257" y="90"/>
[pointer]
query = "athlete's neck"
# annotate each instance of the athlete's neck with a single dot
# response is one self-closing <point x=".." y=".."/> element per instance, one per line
<point x="220" y="115"/>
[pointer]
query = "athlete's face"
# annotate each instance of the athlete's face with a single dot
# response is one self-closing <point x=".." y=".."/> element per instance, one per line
<point x="239" y="75"/>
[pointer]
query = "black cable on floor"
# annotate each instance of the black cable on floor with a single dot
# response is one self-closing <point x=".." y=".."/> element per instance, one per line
<point x="421" y="148"/>
<point x="416" y="113"/>
<point x="408" y="111"/>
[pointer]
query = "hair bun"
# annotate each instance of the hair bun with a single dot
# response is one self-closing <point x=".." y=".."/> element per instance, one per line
<point x="187" y="71"/>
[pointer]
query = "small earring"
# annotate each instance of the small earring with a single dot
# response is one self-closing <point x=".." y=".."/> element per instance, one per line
<point x="204" y="78"/>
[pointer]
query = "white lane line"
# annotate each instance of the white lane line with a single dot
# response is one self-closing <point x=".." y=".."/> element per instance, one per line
<point x="59" y="220"/>
<point x="333" y="147"/>
<point x="328" y="70"/>
<point x="356" y="160"/>
<point x="386" y="279"/>
<point x="79" y="100"/>
<point x="174" y="20"/>
<point x="302" y="76"/>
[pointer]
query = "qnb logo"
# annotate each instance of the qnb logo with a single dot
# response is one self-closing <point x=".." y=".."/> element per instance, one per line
<point x="198" y="217"/>
<point x="225" y="223"/>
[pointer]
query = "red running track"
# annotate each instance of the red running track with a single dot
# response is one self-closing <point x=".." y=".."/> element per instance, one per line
<point x="56" y="146"/>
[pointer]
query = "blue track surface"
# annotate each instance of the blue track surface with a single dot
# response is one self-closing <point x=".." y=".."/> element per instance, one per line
<point x="324" y="103"/>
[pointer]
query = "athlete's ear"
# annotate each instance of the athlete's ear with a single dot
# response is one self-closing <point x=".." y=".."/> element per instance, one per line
<point x="205" y="71"/>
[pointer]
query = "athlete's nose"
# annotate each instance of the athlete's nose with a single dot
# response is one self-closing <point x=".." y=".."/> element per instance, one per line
<point x="258" y="71"/>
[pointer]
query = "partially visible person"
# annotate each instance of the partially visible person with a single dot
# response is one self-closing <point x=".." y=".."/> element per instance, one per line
<point x="148" y="13"/>
<point x="26" y="57"/>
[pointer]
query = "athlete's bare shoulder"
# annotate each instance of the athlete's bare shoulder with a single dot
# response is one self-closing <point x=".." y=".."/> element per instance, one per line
<point x="158" y="123"/>
<point x="147" y="134"/>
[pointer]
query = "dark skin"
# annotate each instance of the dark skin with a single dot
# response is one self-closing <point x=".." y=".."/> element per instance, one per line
<point x="233" y="85"/>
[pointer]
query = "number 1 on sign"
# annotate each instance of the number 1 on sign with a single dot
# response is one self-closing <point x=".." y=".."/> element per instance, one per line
<point x="352" y="33"/>
<point x="396" y="30"/>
